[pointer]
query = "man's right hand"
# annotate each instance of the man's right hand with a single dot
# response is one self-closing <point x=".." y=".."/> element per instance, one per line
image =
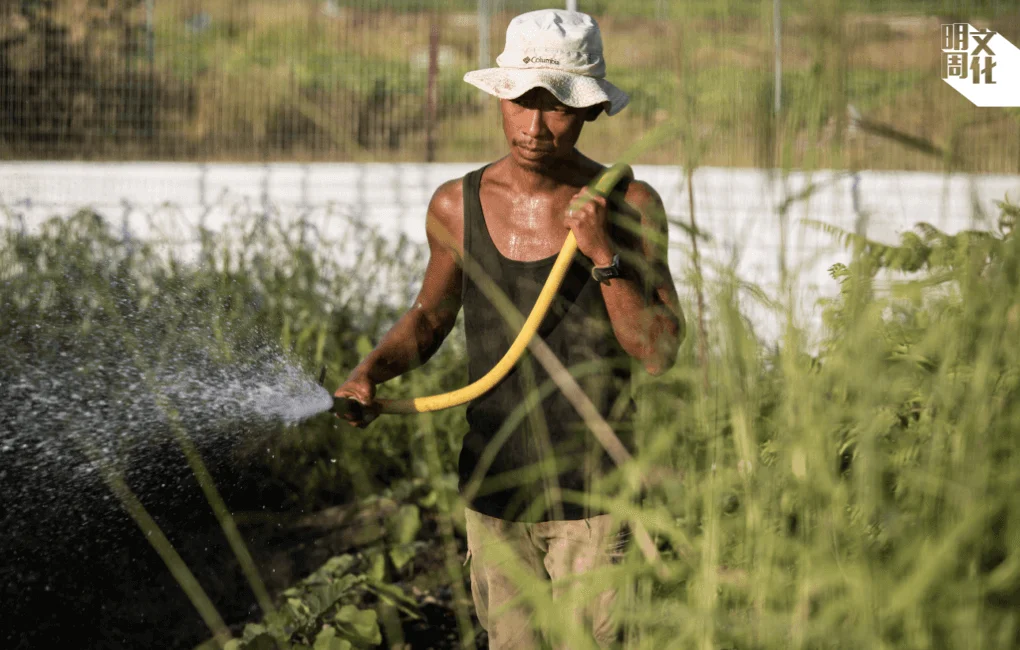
<point x="420" y="331"/>
<point x="362" y="390"/>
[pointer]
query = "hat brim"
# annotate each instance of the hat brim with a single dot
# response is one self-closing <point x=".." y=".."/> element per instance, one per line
<point x="571" y="89"/>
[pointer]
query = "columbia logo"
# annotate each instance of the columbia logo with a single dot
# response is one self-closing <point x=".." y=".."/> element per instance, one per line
<point x="538" y="59"/>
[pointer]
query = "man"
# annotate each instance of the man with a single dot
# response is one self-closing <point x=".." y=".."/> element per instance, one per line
<point x="527" y="446"/>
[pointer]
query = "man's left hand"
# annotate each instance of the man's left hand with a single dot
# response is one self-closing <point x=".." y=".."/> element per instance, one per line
<point x="590" y="225"/>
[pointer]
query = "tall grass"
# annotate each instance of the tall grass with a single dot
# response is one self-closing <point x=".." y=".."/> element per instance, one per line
<point x="861" y="493"/>
<point x="861" y="496"/>
<point x="858" y="495"/>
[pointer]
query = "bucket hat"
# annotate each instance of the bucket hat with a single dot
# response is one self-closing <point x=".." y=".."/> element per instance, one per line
<point x="554" y="49"/>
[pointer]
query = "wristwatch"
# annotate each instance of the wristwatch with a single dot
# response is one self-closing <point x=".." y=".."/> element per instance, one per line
<point x="604" y="274"/>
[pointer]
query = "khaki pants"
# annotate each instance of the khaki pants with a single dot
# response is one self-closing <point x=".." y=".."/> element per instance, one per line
<point x="501" y="552"/>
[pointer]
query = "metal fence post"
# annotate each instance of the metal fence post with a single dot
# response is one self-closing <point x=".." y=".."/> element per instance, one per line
<point x="150" y="46"/>
<point x="776" y="29"/>
<point x="430" y="95"/>
<point x="484" y="30"/>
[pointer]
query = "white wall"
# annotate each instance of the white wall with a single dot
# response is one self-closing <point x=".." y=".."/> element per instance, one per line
<point x="738" y="207"/>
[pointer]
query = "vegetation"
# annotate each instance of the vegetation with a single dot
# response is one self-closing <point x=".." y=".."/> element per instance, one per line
<point x="272" y="80"/>
<point x="854" y="492"/>
<point x="77" y="291"/>
<point x="317" y="616"/>
<point x="862" y="494"/>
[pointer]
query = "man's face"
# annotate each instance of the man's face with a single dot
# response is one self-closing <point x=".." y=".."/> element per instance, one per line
<point x="540" y="129"/>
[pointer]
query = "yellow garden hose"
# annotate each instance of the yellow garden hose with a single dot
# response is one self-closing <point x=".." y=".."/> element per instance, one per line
<point x="602" y="187"/>
<point x="605" y="184"/>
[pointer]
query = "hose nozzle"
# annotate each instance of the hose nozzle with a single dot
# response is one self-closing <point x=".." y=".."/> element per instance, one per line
<point x="343" y="406"/>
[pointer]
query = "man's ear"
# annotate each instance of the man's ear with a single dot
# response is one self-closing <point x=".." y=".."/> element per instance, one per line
<point x="593" y="113"/>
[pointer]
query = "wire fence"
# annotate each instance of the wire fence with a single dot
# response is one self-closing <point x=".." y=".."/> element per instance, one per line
<point x="750" y="82"/>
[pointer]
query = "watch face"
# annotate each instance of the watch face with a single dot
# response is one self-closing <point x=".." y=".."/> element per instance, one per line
<point x="601" y="274"/>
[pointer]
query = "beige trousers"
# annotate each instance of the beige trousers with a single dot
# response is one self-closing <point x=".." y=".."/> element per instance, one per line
<point x="504" y="554"/>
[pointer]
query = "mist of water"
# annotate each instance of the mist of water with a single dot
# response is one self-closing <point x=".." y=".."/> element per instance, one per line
<point x="110" y="357"/>
<point x="102" y="402"/>
<point x="73" y="407"/>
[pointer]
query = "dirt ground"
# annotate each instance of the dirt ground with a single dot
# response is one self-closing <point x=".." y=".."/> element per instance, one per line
<point x="85" y="577"/>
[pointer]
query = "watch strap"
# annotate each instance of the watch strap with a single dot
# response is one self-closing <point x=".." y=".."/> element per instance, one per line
<point x="606" y="273"/>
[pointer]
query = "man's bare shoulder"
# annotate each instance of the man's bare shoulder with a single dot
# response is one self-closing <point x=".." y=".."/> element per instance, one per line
<point x="646" y="200"/>
<point x="448" y="200"/>
<point x="639" y="206"/>
<point x="445" y="219"/>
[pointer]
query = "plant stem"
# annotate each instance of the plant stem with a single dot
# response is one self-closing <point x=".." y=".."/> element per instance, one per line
<point x="698" y="284"/>
<point x="197" y="466"/>
<point x="159" y="542"/>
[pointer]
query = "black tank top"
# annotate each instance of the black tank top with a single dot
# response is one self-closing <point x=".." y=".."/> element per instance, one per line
<point x="525" y="422"/>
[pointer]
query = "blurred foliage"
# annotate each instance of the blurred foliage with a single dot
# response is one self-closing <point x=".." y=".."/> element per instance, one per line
<point x="66" y="78"/>
<point x="322" y="80"/>
<point x="858" y="493"/>
<point x="257" y="288"/>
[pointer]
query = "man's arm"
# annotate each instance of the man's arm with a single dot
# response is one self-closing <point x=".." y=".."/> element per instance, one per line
<point x="416" y="336"/>
<point x="643" y="305"/>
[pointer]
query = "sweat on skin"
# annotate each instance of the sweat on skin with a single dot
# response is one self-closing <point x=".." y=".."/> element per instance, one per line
<point x="526" y="196"/>
<point x="510" y="218"/>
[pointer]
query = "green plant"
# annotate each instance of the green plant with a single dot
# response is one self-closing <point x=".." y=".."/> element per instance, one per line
<point x="326" y="611"/>
<point x="857" y="493"/>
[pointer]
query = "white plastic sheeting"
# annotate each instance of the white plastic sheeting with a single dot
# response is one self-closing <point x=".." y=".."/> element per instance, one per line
<point x="738" y="208"/>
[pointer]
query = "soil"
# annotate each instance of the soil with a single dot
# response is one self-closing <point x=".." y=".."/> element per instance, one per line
<point x="95" y="582"/>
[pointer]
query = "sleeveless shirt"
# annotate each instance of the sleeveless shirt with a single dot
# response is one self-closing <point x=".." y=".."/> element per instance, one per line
<point x="526" y="441"/>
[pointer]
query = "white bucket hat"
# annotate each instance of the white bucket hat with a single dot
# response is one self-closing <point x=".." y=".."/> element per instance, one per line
<point x="554" y="49"/>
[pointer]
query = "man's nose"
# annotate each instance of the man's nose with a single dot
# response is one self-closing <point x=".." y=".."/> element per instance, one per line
<point x="536" y="124"/>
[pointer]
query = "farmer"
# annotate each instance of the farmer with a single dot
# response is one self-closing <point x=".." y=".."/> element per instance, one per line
<point x="528" y="454"/>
